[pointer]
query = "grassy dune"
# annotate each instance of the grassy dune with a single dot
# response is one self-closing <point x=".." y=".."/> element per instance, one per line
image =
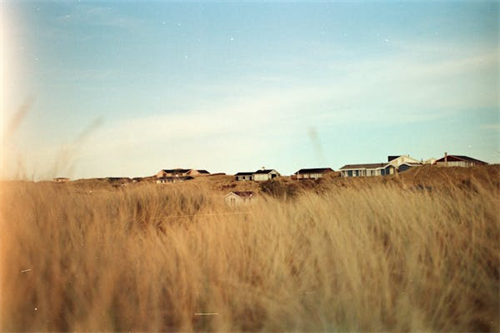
<point x="355" y="255"/>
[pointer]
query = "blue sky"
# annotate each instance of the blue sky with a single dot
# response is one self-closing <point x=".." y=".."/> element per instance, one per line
<point x="128" y="88"/>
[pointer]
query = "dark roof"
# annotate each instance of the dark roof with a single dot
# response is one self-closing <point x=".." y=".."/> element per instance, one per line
<point x="243" y="193"/>
<point x="364" y="166"/>
<point x="265" y="171"/>
<point x="316" y="170"/>
<point x="176" y="170"/>
<point x="392" y="157"/>
<point x="203" y="171"/>
<point x="244" y="174"/>
<point x="461" y="158"/>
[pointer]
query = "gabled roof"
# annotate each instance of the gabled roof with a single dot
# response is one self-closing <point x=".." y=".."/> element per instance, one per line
<point x="460" y="158"/>
<point x="244" y="174"/>
<point x="393" y="157"/>
<point x="364" y="166"/>
<point x="315" y="170"/>
<point x="265" y="171"/>
<point x="406" y="157"/>
<point x="243" y="194"/>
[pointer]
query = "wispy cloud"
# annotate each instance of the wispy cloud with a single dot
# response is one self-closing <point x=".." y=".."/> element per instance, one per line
<point x="92" y="15"/>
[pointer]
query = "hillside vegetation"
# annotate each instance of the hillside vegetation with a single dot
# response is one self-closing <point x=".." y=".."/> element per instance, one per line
<point x="414" y="252"/>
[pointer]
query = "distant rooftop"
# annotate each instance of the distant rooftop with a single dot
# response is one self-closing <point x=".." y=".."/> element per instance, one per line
<point x="364" y="166"/>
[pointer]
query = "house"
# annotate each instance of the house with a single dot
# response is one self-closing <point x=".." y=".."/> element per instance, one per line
<point x="458" y="161"/>
<point x="242" y="176"/>
<point x="173" y="173"/>
<point x="265" y="174"/>
<point x="61" y="180"/>
<point x="367" y="170"/>
<point x="312" y="173"/>
<point x="168" y="173"/>
<point x="398" y="160"/>
<point x="237" y="198"/>
<point x="403" y="162"/>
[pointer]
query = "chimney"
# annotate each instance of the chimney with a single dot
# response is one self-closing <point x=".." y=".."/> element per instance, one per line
<point x="263" y="168"/>
<point x="446" y="158"/>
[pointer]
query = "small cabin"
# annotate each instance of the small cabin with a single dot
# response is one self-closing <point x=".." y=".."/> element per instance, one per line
<point x="312" y="173"/>
<point x="265" y="174"/>
<point x="243" y="176"/>
<point x="238" y="198"/>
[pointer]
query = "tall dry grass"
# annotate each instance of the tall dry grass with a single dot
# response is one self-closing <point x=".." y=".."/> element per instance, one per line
<point x="162" y="258"/>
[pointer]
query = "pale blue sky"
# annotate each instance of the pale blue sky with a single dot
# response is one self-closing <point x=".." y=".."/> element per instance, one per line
<point x="128" y="88"/>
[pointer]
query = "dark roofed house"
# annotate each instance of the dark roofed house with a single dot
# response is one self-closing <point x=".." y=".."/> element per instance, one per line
<point x="458" y="161"/>
<point x="243" y="176"/>
<point x="367" y="170"/>
<point x="239" y="198"/>
<point x="312" y="173"/>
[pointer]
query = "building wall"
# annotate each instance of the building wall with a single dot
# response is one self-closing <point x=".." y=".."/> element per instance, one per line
<point x="456" y="164"/>
<point x="390" y="170"/>
<point x="309" y="176"/>
<point x="244" y="178"/>
<point x="259" y="177"/>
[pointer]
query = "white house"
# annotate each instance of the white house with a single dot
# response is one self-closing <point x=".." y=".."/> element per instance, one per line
<point x="402" y="159"/>
<point x="265" y="174"/>
<point x="237" y="198"/>
<point x="367" y="170"/>
<point x="403" y="162"/>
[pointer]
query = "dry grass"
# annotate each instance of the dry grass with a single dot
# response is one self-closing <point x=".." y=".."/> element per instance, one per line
<point x="373" y="257"/>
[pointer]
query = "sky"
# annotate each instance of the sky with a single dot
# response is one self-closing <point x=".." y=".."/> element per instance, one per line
<point x="126" y="88"/>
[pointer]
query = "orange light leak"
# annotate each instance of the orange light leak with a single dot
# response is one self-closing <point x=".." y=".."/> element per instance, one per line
<point x="10" y="76"/>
